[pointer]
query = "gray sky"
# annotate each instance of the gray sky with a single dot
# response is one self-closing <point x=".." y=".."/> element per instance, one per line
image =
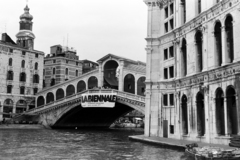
<point x="94" y="27"/>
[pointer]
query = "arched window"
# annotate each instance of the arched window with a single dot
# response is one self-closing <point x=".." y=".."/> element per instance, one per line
<point x="50" y="97"/>
<point x="141" y="86"/>
<point x="92" y="82"/>
<point x="218" y="43"/>
<point x="199" y="50"/>
<point x="10" y="62"/>
<point x="36" y="66"/>
<point x="10" y="75"/>
<point x="229" y="39"/>
<point x="23" y="64"/>
<point x="22" y="77"/>
<point x="184" y="58"/>
<point x="40" y="101"/>
<point x="81" y="86"/>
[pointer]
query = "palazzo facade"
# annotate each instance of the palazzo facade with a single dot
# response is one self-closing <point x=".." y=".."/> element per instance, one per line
<point x="21" y="69"/>
<point x="193" y="70"/>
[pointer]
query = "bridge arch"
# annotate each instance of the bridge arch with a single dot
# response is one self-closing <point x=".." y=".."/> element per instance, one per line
<point x="31" y="105"/>
<point x="49" y="97"/>
<point x="92" y="82"/>
<point x="70" y="90"/>
<point x="129" y="83"/>
<point x="109" y="75"/>
<point x="59" y="93"/>
<point x="81" y="86"/>
<point x="40" y="101"/>
<point x="141" y="87"/>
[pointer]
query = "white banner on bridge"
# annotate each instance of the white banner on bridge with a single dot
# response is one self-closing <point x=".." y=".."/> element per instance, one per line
<point x="105" y="100"/>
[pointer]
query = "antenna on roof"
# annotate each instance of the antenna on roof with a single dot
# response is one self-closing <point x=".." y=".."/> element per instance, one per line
<point x="67" y="40"/>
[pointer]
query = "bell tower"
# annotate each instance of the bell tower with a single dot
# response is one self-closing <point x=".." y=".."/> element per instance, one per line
<point x="25" y="36"/>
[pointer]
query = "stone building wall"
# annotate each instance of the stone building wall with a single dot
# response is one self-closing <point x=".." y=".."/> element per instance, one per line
<point x="192" y="72"/>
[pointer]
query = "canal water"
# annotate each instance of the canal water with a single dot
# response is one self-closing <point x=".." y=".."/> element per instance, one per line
<point x="80" y="145"/>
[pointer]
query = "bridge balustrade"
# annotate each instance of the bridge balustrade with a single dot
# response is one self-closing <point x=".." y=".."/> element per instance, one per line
<point x="77" y="95"/>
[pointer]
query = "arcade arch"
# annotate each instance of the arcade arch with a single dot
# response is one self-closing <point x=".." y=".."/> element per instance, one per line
<point x="40" y="101"/>
<point x="70" y="90"/>
<point x="184" y="115"/>
<point x="141" y="86"/>
<point x="50" y="97"/>
<point x="200" y="114"/>
<point x="129" y="83"/>
<point x="229" y="39"/>
<point x="220" y="118"/>
<point x="199" y="51"/>
<point x="59" y="94"/>
<point x="81" y="86"/>
<point x="92" y="82"/>
<point x="110" y="79"/>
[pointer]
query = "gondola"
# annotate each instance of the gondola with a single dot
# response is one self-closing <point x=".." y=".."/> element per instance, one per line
<point x="211" y="153"/>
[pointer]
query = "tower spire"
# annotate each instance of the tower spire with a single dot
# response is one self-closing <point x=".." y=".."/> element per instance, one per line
<point x="25" y="37"/>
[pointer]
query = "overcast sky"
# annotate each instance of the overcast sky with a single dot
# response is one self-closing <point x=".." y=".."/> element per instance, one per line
<point x="94" y="27"/>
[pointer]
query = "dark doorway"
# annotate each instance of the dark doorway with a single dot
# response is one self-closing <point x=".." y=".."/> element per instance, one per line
<point x="220" y="112"/>
<point x="231" y="111"/>
<point x="165" y="128"/>
<point x="200" y="115"/>
<point x="184" y="115"/>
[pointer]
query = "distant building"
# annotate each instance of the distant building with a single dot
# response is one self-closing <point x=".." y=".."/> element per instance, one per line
<point x="20" y="69"/>
<point x="192" y="83"/>
<point x="63" y="64"/>
<point x="88" y="66"/>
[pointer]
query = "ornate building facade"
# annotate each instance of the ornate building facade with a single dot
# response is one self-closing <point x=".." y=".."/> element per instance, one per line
<point x="21" y="69"/>
<point x="192" y="82"/>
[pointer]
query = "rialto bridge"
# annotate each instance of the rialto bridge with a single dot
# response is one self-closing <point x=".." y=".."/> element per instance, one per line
<point x="60" y="105"/>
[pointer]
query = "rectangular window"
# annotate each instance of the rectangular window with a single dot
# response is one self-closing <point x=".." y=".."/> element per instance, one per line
<point x="36" y="55"/>
<point x="10" y="50"/>
<point x="171" y="9"/>
<point x="171" y="24"/>
<point x="165" y="73"/>
<point x="23" y="53"/>
<point x="171" y="52"/>
<point x="35" y="90"/>
<point x="54" y="61"/>
<point x="199" y="6"/>
<point x="171" y="129"/>
<point x="165" y="54"/>
<point x="166" y="12"/>
<point x="166" y="27"/>
<point x="165" y="100"/>
<point x="171" y="99"/>
<point x="22" y="90"/>
<point x="76" y="63"/>
<point x="171" y="72"/>
<point x="9" y="89"/>
<point x="67" y="61"/>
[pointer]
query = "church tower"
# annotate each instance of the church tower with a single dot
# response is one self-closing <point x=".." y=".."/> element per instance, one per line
<point x="25" y="37"/>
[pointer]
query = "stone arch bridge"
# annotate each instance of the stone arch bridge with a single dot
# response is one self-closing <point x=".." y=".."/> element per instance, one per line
<point x="60" y="106"/>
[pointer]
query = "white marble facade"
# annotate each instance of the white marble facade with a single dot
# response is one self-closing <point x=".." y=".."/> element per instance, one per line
<point x="192" y="82"/>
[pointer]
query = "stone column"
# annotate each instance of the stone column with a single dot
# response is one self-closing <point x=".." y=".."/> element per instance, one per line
<point x="181" y="13"/>
<point x="225" y="58"/>
<point x="136" y="86"/>
<point x="204" y="49"/>
<point x="238" y="113"/>
<point x="225" y="116"/>
<point x="235" y="43"/>
<point x="121" y="78"/>
<point x="213" y="116"/>
<point x="14" y="108"/>
<point x="207" y="117"/>
<point x="147" y="124"/>
<point x="100" y="74"/>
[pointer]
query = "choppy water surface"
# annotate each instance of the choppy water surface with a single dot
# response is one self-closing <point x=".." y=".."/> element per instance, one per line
<point x="80" y="144"/>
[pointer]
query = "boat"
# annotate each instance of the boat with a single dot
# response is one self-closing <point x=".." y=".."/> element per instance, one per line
<point x="211" y="153"/>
